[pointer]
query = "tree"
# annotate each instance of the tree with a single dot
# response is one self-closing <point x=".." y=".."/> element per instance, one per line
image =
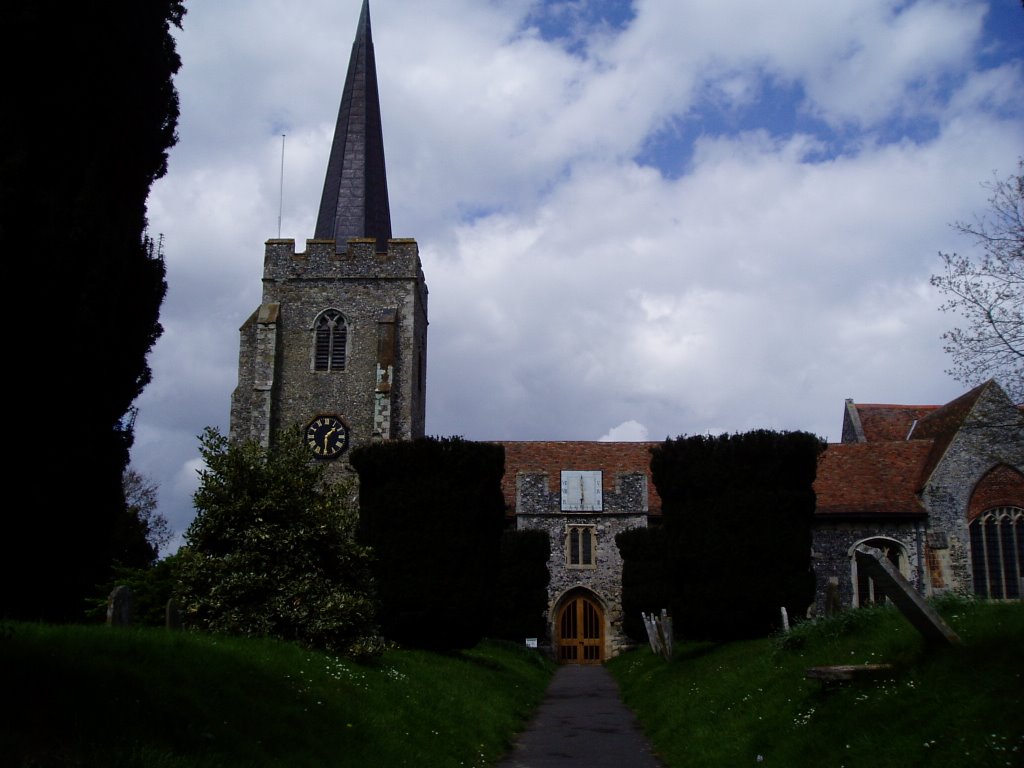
<point x="140" y="496"/>
<point x="76" y="166"/>
<point x="272" y="549"/>
<point x="986" y="289"/>
<point x="433" y="511"/>
<point x="738" y="511"/>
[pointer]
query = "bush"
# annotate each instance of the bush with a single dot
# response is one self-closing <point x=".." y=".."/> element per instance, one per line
<point x="272" y="551"/>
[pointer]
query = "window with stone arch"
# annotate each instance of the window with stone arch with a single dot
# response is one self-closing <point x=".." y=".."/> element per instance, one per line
<point x="581" y="546"/>
<point x="330" y="341"/>
<point x="867" y="593"/>
<point x="997" y="552"/>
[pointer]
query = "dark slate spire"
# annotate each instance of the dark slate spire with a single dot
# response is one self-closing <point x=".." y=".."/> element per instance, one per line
<point x="355" y="198"/>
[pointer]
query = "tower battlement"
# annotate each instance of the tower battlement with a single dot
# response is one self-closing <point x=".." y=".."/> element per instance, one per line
<point x="360" y="259"/>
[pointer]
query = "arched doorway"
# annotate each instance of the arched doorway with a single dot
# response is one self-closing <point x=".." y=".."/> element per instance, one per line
<point x="866" y="592"/>
<point x="580" y="631"/>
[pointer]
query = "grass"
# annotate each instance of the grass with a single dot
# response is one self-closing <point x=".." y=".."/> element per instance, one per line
<point x="748" y="703"/>
<point x="96" y="696"/>
<point x="93" y="696"/>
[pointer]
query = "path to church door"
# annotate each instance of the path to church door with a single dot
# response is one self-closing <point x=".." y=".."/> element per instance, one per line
<point x="580" y="625"/>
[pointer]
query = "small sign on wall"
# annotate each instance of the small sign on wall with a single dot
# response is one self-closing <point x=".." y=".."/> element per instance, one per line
<point x="531" y="642"/>
<point x="581" y="490"/>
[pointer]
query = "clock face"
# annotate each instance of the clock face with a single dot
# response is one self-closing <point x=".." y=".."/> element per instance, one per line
<point x="327" y="437"/>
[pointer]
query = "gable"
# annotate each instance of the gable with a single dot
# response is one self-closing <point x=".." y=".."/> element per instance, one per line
<point x="551" y="457"/>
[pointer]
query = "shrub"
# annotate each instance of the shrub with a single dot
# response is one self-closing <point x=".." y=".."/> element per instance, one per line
<point x="272" y="550"/>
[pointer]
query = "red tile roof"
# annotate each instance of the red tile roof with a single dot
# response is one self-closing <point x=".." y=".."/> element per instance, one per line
<point x="865" y="479"/>
<point x="887" y="423"/>
<point x="554" y="456"/>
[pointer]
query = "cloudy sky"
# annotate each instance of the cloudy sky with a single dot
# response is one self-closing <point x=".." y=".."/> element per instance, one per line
<point x="637" y="219"/>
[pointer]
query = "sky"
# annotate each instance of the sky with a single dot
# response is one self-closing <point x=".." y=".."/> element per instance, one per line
<point x="637" y="220"/>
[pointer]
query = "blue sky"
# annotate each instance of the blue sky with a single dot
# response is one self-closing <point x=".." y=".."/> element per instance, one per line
<point x="637" y="220"/>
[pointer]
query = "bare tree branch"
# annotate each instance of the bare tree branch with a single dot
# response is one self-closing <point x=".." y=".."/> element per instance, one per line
<point x="986" y="290"/>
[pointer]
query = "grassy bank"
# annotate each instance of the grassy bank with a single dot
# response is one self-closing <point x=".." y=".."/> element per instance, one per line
<point x="749" y="703"/>
<point x="94" y="696"/>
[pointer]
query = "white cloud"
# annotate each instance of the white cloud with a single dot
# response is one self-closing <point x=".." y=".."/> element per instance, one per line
<point x="627" y="432"/>
<point x="571" y="288"/>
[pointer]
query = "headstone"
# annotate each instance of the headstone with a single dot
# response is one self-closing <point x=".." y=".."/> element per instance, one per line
<point x="120" y="605"/>
<point x="173" y="615"/>
<point x="877" y="566"/>
<point x="833" y="605"/>
<point x="659" y="633"/>
<point x="785" y="620"/>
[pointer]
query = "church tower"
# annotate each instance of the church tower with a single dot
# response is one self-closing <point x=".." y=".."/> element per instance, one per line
<point x="339" y="343"/>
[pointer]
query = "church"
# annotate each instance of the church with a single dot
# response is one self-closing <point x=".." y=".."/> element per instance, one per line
<point x="339" y="346"/>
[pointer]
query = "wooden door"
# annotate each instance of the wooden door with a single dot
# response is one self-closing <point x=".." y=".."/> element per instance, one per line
<point x="580" y="626"/>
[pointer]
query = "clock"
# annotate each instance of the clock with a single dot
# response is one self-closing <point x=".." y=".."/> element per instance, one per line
<point x="327" y="437"/>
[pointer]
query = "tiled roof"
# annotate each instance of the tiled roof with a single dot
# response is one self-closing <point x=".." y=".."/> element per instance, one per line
<point x="554" y="456"/>
<point x="887" y="423"/>
<point x="865" y="479"/>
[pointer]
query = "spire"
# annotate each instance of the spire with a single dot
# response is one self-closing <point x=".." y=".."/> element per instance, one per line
<point x="355" y="198"/>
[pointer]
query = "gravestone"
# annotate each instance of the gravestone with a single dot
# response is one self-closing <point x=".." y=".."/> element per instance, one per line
<point x="659" y="633"/>
<point x="877" y="566"/>
<point x="833" y="604"/>
<point x="120" y="605"/>
<point x="172" y="618"/>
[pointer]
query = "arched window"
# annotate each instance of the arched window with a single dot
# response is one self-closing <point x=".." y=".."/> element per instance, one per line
<point x="330" y="340"/>
<point x="997" y="551"/>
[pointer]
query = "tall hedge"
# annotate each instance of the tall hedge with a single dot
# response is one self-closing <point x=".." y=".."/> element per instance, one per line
<point x="433" y="512"/>
<point x="521" y="593"/>
<point x="646" y="582"/>
<point x="738" y="511"/>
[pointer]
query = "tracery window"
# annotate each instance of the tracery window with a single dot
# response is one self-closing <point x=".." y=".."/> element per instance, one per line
<point x="997" y="553"/>
<point x="581" y="546"/>
<point x="330" y="340"/>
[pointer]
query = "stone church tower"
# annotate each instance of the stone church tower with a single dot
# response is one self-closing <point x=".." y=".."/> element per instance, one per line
<point x="339" y="343"/>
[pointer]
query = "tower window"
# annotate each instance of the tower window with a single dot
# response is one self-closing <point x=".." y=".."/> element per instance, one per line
<point x="581" y="546"/>
<point x="330" y="341"/>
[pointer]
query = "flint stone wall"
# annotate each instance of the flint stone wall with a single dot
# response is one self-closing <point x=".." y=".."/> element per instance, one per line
<point x="538" y="507"/>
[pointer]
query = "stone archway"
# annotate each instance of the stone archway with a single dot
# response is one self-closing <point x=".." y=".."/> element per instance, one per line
<point x="864" y="592"/>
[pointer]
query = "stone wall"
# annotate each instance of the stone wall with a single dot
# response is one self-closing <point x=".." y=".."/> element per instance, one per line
<point x="833" y="563"/>
<point x="992" y="435"/>
<point x="276" y="347"/>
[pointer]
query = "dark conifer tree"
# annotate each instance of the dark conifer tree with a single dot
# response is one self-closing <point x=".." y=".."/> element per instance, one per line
<point x="738" y="511"/>
<point x="433" y="512"/>
<point x="92" y="113"/>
